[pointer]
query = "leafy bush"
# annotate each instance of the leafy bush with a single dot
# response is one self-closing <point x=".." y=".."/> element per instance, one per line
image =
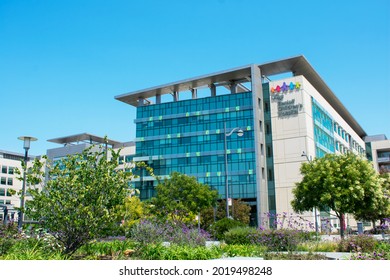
<point x="175" y="252"/>
<point x="114" y="248"/>
<point x="291" y="256"/>
<point x="219" y="228"/>
<point x="243" y="250"/>
<point x="383" y="245"/>
<point x="5" y="245"/>
<point x="239" y="235"/>
<point x="357" y="243"/>
<point x="31" y="249"/>
<point x="9" y="230"/>
<point x="153" y="231"/>
<point x="371" y="256"/>
<point x="279" y="240"/>
<point x="316" y="246"/>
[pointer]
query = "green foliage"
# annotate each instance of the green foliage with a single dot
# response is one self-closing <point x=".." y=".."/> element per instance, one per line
<point x="280" y="239"/>
<point x="219" y="228"/>
<point x="175" y="252"/>
<point x="317" y="246"/>
<point x="8" y="237"/>
<point x="358" y="243"/>
<point x="344" y="183"/>
<point x="114" y="249"/>
<point x="239" y="235"/>
<point x="381" y="209"/>
<point x="383" y="246"/>
<point x="239" y="250"/>
<point x="241" y="212"/>
<point x="40" y="246"/>
<point x="131" y="212"/>
<point x="154" y="231"/>
<point x="79" y="201"/>
<point x="5" y="245"/>
<point x="181" y="196"/>
<point x="9" y="230"/>
<point x="294" y="256"/>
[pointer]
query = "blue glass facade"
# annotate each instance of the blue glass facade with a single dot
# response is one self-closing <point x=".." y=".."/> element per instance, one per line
<point x="323" y="130"/>
<point x="188" y="137"/>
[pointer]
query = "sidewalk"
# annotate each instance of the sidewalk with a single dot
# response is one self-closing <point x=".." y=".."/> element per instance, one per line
<point x="329" y="255"/>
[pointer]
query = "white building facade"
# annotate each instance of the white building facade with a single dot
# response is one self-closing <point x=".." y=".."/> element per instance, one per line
<point x="10" y="185"/>
<point x="306" y="125"/>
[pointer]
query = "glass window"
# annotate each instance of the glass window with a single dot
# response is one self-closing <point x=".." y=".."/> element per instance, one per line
<point x="10" y="182"/>
<point x="2" y="192"/>
<point x="267" y="128"/>
<point x="11" y="170"/>
<point x="4" y="169"/>
<point x="128" y="158"/>
<point x="270" y="175"/>
<point x="3" y="180"/>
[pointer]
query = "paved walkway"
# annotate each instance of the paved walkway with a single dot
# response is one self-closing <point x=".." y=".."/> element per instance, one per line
<point x="329" y="255"/>
<point x="336" y="255"/>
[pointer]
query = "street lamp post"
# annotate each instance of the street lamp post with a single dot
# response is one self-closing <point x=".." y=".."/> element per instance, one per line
<point x="26" y="145"/>
<point x="315" y="208"/>
<point x="240" y="132"/>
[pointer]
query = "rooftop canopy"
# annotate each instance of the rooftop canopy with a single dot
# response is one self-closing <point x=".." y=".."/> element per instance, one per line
<point x="83" y="138"/>
<point x="297" y="65"/>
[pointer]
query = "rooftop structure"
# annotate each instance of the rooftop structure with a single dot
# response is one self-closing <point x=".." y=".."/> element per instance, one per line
<point x="83" y="138"/>
<point x="235" y="77"/>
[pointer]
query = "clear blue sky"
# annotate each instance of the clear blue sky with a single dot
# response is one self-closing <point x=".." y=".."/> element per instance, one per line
<point x="62" y="62"/>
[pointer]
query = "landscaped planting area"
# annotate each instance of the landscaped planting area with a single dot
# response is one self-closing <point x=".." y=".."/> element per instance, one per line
<point x="152" y="239"/>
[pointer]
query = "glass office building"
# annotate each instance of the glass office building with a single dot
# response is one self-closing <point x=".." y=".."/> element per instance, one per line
<point x="179" y="128"/>
<point x="188" y="137"/>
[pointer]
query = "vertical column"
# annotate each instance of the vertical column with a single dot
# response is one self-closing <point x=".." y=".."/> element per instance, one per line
<point x="194" y="92"/>
<point x="175" y="96"/>
<point x="158" y="98"/>
<point x="233" y="88"/>
<point x="141" y="102"/>
<point x="213" y="90"/>
<point x="261" y="163"/>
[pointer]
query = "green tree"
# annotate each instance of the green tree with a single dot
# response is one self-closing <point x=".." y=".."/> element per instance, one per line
<point x="344" y="183"/>
<point x="181" y="196"/>
<point x="130" y="212"/>
<point x="79" y="200"/>
<point x="241" y="212"/>
<point x="381" y="209"/>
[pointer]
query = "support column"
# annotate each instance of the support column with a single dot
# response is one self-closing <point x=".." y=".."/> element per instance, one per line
<point x="213" y="90"/>
<point x="260" y="143"/>
<point x="158" y="98"/>
<point x="194" y="92"/>
<point x="175" y="96"/>
<point x="233" y="88"/>
<point x="141" y="102"/>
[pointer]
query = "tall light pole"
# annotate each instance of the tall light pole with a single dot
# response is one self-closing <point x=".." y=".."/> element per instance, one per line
<point x="226" y="134"/>
<point x="26" y="145"/>
<point x="315" y="208"/>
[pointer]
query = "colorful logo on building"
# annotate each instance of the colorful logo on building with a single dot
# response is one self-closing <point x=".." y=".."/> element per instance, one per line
<point x="285" y="88"/>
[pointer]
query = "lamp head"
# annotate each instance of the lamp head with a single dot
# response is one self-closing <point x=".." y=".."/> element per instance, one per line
<point x="26" y="141"/>
<point x="240" y="133"/>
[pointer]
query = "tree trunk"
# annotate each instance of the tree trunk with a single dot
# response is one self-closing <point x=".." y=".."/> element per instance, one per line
<point x="341" y="217"/>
